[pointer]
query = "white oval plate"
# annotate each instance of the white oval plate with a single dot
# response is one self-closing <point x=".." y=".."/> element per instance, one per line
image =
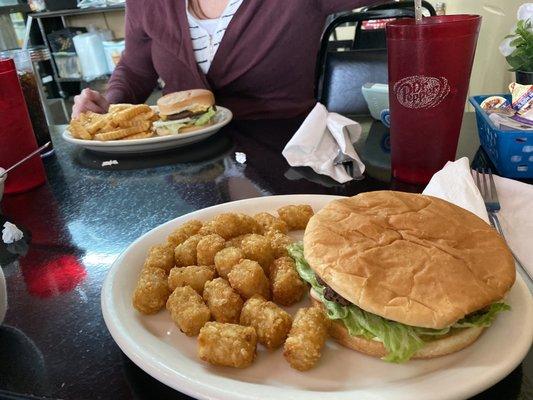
<point x="156" y="143"/>
<point x="160" y="349"/>
<point x="3" y="296"/>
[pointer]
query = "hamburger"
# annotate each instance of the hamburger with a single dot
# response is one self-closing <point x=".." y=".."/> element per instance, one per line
<point x="404" y="275"/>
<point x="185" y="111"/>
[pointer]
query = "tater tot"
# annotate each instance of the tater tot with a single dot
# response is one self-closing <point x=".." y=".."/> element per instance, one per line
<point x="207" y="247"/>
<point x="271" y="223"/>
<point x="248" y="278"/>
<point x="271" y="323"/>
<point x="285" y="282"/>
<point x="206" y="229"/>
<point x="152" y="291"/>
<point x="188" y="310"/>
<point x="161" y="256"/>
<point x="184" y="232"/>
<point x="226" y="259"/>
<point x="237" y="241"/>
<point x="307" y="337"/>
<point x="185" y="253"/>
<point x="193" y="276"/>
<point x="296" y="216"/>
<point x="223" y="302"/>
<point x="229" y="345"/>
<point x="227" y="225"/>
<point x="279" y="243"/>
<point x="249" y="224"/>
<point x="257" y="247"/>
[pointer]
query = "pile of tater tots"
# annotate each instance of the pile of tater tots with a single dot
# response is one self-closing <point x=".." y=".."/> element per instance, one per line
<point x="225" y="280"/>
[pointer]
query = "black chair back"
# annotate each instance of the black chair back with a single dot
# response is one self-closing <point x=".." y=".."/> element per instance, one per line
<point x="346" y="73"/>
<point x="339" y="76"/>
<point x="377" y="38"/>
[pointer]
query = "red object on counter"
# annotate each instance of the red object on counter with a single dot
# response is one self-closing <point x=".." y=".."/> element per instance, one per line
<point x="16" y="134"/>
<point x="429" y="73"/>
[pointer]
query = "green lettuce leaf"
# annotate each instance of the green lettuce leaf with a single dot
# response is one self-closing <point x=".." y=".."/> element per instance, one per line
<point x="170" y="129"/>
<point x="205" y="117"/>
<point x="482" y="319"/>
<point x="400" y="340"/>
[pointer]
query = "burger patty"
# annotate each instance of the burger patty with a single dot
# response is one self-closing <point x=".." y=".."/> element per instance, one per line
<point x="332" y="295"/>
<point x="181" y="115"/>
<point x="186" y="114"/>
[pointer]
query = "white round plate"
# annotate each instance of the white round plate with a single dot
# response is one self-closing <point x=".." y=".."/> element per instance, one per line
<point x="156" y="143"/>
<point x="160" y="349"/>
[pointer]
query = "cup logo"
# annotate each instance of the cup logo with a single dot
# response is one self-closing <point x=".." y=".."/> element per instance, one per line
<point x="421" y="91"/>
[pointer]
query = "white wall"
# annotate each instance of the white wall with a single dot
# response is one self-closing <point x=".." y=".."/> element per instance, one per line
<point x="490" y="73"/>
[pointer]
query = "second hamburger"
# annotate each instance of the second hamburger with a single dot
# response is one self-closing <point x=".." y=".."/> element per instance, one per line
<point x="185" y="111"/>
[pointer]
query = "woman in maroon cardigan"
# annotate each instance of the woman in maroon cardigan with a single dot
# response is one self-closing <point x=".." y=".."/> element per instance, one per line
<point x="259" y="59"/>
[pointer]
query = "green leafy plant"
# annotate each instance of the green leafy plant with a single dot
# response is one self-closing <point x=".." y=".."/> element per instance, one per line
<point x="518" y="47"/>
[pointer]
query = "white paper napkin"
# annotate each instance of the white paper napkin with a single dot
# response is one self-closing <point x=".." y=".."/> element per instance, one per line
<point x="455" y="184"/>
<point x="318" y="140"/>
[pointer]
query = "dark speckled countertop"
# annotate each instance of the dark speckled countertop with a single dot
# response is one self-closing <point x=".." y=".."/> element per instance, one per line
<point x="54" y="342"/>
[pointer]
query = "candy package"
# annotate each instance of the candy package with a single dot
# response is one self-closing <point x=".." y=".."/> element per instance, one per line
<point x="506" y="123"/>
<point x="514" y="115"/>
<point x="497" y="105"/>
<point x="522" y="100"/>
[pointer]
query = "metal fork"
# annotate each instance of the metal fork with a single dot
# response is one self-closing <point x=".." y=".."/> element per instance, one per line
<point x="349" y="165"/>
<point x="487" y="188"/>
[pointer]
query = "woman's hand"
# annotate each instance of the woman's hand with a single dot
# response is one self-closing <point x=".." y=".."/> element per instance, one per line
<point x="89" y="100"/>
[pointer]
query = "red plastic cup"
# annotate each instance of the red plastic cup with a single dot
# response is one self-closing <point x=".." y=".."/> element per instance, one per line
<point x="16" y="134"/>
<point x="429" y="73"/>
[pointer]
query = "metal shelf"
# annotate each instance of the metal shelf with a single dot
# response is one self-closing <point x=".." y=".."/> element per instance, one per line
<point x="53" y="20"/>
<point x="77" y="11"/>
<point x="100" y="78"/>
<point x="14" y="9"/>
<point x="59" y="79"/>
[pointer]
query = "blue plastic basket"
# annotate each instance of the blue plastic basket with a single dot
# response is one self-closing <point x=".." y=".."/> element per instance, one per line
<point x="511" y="152"/>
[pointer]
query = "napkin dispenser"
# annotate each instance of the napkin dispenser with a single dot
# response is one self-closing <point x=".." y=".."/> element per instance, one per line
<point x="91" y="54"/>
<point x="377" y="98"/>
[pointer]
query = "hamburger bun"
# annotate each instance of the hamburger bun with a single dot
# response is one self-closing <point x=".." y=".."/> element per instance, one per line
<point x="409" y="258"/>
<point x="195" y="99"/>
<point x="193" y="128"/>
<point x="448" y="344"/>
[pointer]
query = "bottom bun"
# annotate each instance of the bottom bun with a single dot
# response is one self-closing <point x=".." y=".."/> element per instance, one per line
<point x="436" y="348"/>
<point x="195" y="128"/>
<point x="188" y="129"/>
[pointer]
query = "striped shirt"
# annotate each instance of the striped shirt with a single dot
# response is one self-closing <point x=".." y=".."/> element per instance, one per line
<point x="207" y="34"/>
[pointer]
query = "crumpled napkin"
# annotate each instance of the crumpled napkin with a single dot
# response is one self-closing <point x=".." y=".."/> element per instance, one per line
<point x="318" y="141"/>
<point x="11" y="233"/>
<point x="455" y="184"/>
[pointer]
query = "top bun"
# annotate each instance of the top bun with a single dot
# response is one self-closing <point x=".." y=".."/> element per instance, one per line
<point x="409" y="258"/>
<point x="176" y="102"/>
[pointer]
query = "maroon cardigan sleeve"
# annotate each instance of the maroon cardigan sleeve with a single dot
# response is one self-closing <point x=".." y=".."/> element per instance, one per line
<point x="135" y="77"/>
<point x="334" y="6"/>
